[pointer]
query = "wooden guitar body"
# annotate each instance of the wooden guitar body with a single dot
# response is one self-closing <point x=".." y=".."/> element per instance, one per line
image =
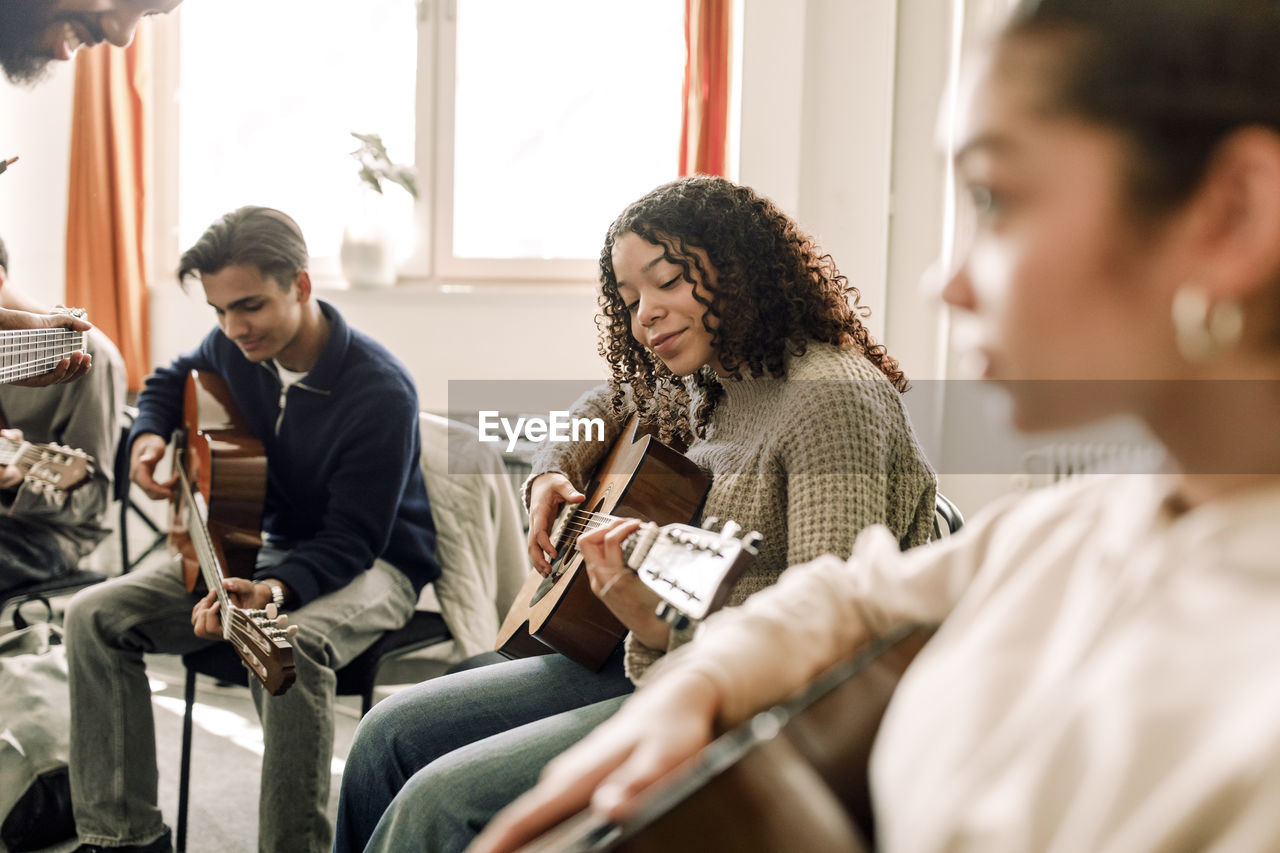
<point x="791" y="778"/>
<point x="227" y="465"/>
<point x="217" y="521"/>
<point x="640" y="478"/>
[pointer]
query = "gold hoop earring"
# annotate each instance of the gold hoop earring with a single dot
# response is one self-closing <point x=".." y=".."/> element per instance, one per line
<point x="1203" y="331"/>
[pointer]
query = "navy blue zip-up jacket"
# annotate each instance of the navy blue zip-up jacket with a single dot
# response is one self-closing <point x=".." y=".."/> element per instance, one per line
<point x="342" y="446"/>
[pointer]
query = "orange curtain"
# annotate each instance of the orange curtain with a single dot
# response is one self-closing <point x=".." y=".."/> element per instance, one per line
<point x="107" y="209"/>
<point x="704" y="133"/>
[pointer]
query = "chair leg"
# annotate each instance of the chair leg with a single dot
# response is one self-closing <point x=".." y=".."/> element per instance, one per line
<point x="123" y="529"/>
<point x="158" y="539"/>
<point x="20" y="621"/>
<point x="184" y="776"/>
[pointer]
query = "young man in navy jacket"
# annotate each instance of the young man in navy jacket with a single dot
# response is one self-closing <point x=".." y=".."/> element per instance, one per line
<point x="349" y="540"/>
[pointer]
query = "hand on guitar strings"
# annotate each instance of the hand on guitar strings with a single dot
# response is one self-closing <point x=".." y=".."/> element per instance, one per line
<point x="656" y="730"/>
<point x="148" y="449"/>
<point x="547" y="493"/>
<point x="621" y="590"/>
<point x="68" y="369"/>
<point x="11" y="476"/>
<point x="206" y="616"/>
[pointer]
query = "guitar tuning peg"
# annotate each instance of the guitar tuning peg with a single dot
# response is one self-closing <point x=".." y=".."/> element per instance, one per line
<point x="752" y="540"/>
<point x="271" y="611"/>
<point x="710" y="523"/>
<point x="730" y="529"/>
<point x="282" y="621"/>
<point x="291" y="632"/>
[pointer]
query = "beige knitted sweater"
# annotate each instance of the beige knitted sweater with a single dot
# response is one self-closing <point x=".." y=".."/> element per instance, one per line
<point x="808" y="460"/>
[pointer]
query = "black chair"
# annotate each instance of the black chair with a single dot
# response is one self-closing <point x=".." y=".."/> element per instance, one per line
<point x="124" y="494"/>
<point x="357" y="678"/>
<point x="78" y="579"/>
<point x="946" y="517"/>
<point x="42" y="591"/>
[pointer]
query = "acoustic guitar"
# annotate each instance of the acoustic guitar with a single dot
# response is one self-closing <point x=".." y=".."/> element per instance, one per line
<point x="32" y="352"/>
<point x="51" y="467"/>
<point x="640" y="478"/>
<point x="217" y="519"/>
<point x="791" y="778"/>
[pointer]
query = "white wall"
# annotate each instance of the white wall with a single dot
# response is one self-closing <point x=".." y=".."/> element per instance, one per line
<point x="817" y="125"/>
<point x="497" y="332"/>
<point x="35" y="125"/>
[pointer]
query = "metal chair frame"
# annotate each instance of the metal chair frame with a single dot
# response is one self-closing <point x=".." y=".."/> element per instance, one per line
<point x="357" y="678"/>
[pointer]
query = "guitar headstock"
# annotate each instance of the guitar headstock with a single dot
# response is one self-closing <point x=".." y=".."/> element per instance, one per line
<point x="693" y="569"/>
<point x="59" y="468"/>
<point x="262" y="641"/>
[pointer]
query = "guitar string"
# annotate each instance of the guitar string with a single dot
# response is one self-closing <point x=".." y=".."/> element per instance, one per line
<point x="204" y="547"/>
<point x="594" y="522"/>
<point x="52" y="345"/>
<point x="33" y="368"/>
<point x="41" y="354"/>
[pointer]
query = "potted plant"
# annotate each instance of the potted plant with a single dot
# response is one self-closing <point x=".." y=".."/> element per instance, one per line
<point x="368" y="252"/>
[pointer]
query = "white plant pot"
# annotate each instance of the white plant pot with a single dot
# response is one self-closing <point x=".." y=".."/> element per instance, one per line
<point x="368" y="257"/>
<point x="368" y="253"/>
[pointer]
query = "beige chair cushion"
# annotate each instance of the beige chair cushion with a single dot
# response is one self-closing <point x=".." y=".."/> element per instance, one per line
<point x="479" y="534"/>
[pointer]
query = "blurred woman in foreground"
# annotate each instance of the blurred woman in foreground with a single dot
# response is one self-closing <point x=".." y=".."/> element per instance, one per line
<point x="1103" y="675"/>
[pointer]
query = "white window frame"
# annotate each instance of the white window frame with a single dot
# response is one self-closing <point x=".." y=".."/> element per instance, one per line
<point x="432" y="262"/>
<point x="447" y="265"/>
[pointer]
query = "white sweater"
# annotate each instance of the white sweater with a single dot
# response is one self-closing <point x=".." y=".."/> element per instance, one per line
<point x="1107" y="677"/>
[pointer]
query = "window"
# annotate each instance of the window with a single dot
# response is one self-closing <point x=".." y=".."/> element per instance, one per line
<point x="564" y="111"/>
<point x="275" y="88"/>
<point x="531" y="124"/>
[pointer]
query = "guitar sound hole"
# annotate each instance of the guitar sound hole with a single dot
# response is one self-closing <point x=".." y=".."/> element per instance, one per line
<point x="543" y="588"/>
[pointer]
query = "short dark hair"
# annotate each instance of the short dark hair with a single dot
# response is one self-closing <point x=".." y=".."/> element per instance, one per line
<point x="1174" y="77"/>
<point x="256" y="236"/>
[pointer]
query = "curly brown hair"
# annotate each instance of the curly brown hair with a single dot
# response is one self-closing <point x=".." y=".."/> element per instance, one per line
<point x="774" y="292"/>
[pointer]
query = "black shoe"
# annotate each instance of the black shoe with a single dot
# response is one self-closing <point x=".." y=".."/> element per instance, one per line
<point x="160" y="845"/>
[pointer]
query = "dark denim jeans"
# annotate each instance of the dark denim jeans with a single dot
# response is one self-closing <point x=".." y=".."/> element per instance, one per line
<point x="432" y="764"/>
<point x="113" y="757"/>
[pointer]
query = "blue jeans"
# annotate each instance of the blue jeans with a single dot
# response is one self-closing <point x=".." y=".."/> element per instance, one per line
<point x="430" y="765"/>
<point x="113" y="759"/>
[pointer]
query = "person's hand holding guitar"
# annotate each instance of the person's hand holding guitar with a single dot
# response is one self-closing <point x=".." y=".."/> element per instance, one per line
<point x="11" y="475"/>
<point x="547" y="493"/>
<point x="68" y="369"/>
<point x="148" y="449"/>
<point x="619" y="587"/>
<point x="664" y="724"/>
<point x="206" y="616"/>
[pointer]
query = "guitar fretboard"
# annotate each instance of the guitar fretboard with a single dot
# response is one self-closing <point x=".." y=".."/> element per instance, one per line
<point x="194" y="518"/>
<point x="31" y="352"/>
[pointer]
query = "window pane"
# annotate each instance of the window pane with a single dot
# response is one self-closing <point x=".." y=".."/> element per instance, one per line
<point x="566" y="110"/>
<point x="271" y="91"/>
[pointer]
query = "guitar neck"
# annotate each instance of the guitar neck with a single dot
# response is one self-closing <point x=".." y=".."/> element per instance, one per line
<point x="194" y="513"/>
<point x="31" y="352"/>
